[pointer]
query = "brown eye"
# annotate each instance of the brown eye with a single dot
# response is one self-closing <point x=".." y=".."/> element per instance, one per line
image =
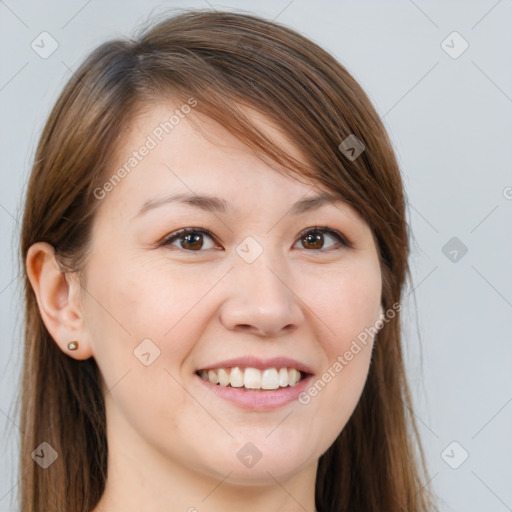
<point x="192" y="241"/>
<point x="315" y="238"/>
<point x="189" y="239"/>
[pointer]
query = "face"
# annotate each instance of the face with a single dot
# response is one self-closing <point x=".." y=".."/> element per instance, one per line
<point x="251" y="280"/>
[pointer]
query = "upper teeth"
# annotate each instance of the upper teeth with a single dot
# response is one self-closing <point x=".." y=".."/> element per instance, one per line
<point x="252" y="378"/>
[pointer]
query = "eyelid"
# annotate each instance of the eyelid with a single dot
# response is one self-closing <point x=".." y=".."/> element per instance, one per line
<point x="175" y="235"/>
<point x="341" y="238"/>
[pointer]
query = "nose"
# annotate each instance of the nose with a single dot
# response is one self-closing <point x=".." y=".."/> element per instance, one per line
<point x="261" y="299"/>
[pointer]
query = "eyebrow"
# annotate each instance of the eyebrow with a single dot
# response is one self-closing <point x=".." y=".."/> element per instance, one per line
<point x="214" y="204"/>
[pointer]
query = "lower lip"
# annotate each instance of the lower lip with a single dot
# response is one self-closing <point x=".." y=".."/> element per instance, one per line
<point x="258" y="400"/>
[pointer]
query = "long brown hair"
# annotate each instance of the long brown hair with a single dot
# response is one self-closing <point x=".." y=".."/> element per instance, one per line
<point x="226" y="61"/>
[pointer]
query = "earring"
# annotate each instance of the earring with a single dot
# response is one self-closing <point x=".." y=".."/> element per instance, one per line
<point x="73" y="345"/>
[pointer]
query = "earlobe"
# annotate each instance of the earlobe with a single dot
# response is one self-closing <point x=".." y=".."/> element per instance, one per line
<point x="56" y="297"/>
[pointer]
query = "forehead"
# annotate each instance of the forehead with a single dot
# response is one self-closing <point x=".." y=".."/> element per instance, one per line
<point x="167" y="120"/>
<point x="169" y="149"/>
<point x="168" y="135"/>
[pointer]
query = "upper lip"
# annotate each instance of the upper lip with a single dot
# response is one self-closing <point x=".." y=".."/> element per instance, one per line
<point x="261" y="364"/>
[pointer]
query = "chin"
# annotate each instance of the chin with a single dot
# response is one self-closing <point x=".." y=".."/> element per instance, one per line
<point x="249" y="468"/>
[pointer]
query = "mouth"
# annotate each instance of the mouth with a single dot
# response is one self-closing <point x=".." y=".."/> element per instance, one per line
<point x="253" y="379"/>
<point x="254" y="384"/>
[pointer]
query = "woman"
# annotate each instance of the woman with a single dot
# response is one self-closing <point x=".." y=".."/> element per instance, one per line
<point x="215" y="249"/>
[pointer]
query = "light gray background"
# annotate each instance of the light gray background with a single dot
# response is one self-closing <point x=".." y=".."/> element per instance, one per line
<point x="450" y="120"/>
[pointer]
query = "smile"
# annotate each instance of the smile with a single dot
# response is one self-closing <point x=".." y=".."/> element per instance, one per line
<point x="253" y="378"/>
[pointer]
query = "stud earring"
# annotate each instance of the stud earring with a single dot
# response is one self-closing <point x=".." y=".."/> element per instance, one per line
<point x="73" y="345"/>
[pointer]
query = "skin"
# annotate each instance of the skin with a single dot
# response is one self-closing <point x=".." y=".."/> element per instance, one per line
<point x="172" y="443"/>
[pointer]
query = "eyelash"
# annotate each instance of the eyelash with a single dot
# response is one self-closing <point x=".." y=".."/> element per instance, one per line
<point x="343" y="241"/>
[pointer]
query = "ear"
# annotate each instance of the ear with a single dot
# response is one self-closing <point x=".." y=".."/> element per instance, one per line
<point x="59" y="300"/>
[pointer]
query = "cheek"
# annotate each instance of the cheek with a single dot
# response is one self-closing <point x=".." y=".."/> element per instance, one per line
<point x="141" y="333"/>
<point x="134" y="301"/>
<point x="346" y="302"/>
